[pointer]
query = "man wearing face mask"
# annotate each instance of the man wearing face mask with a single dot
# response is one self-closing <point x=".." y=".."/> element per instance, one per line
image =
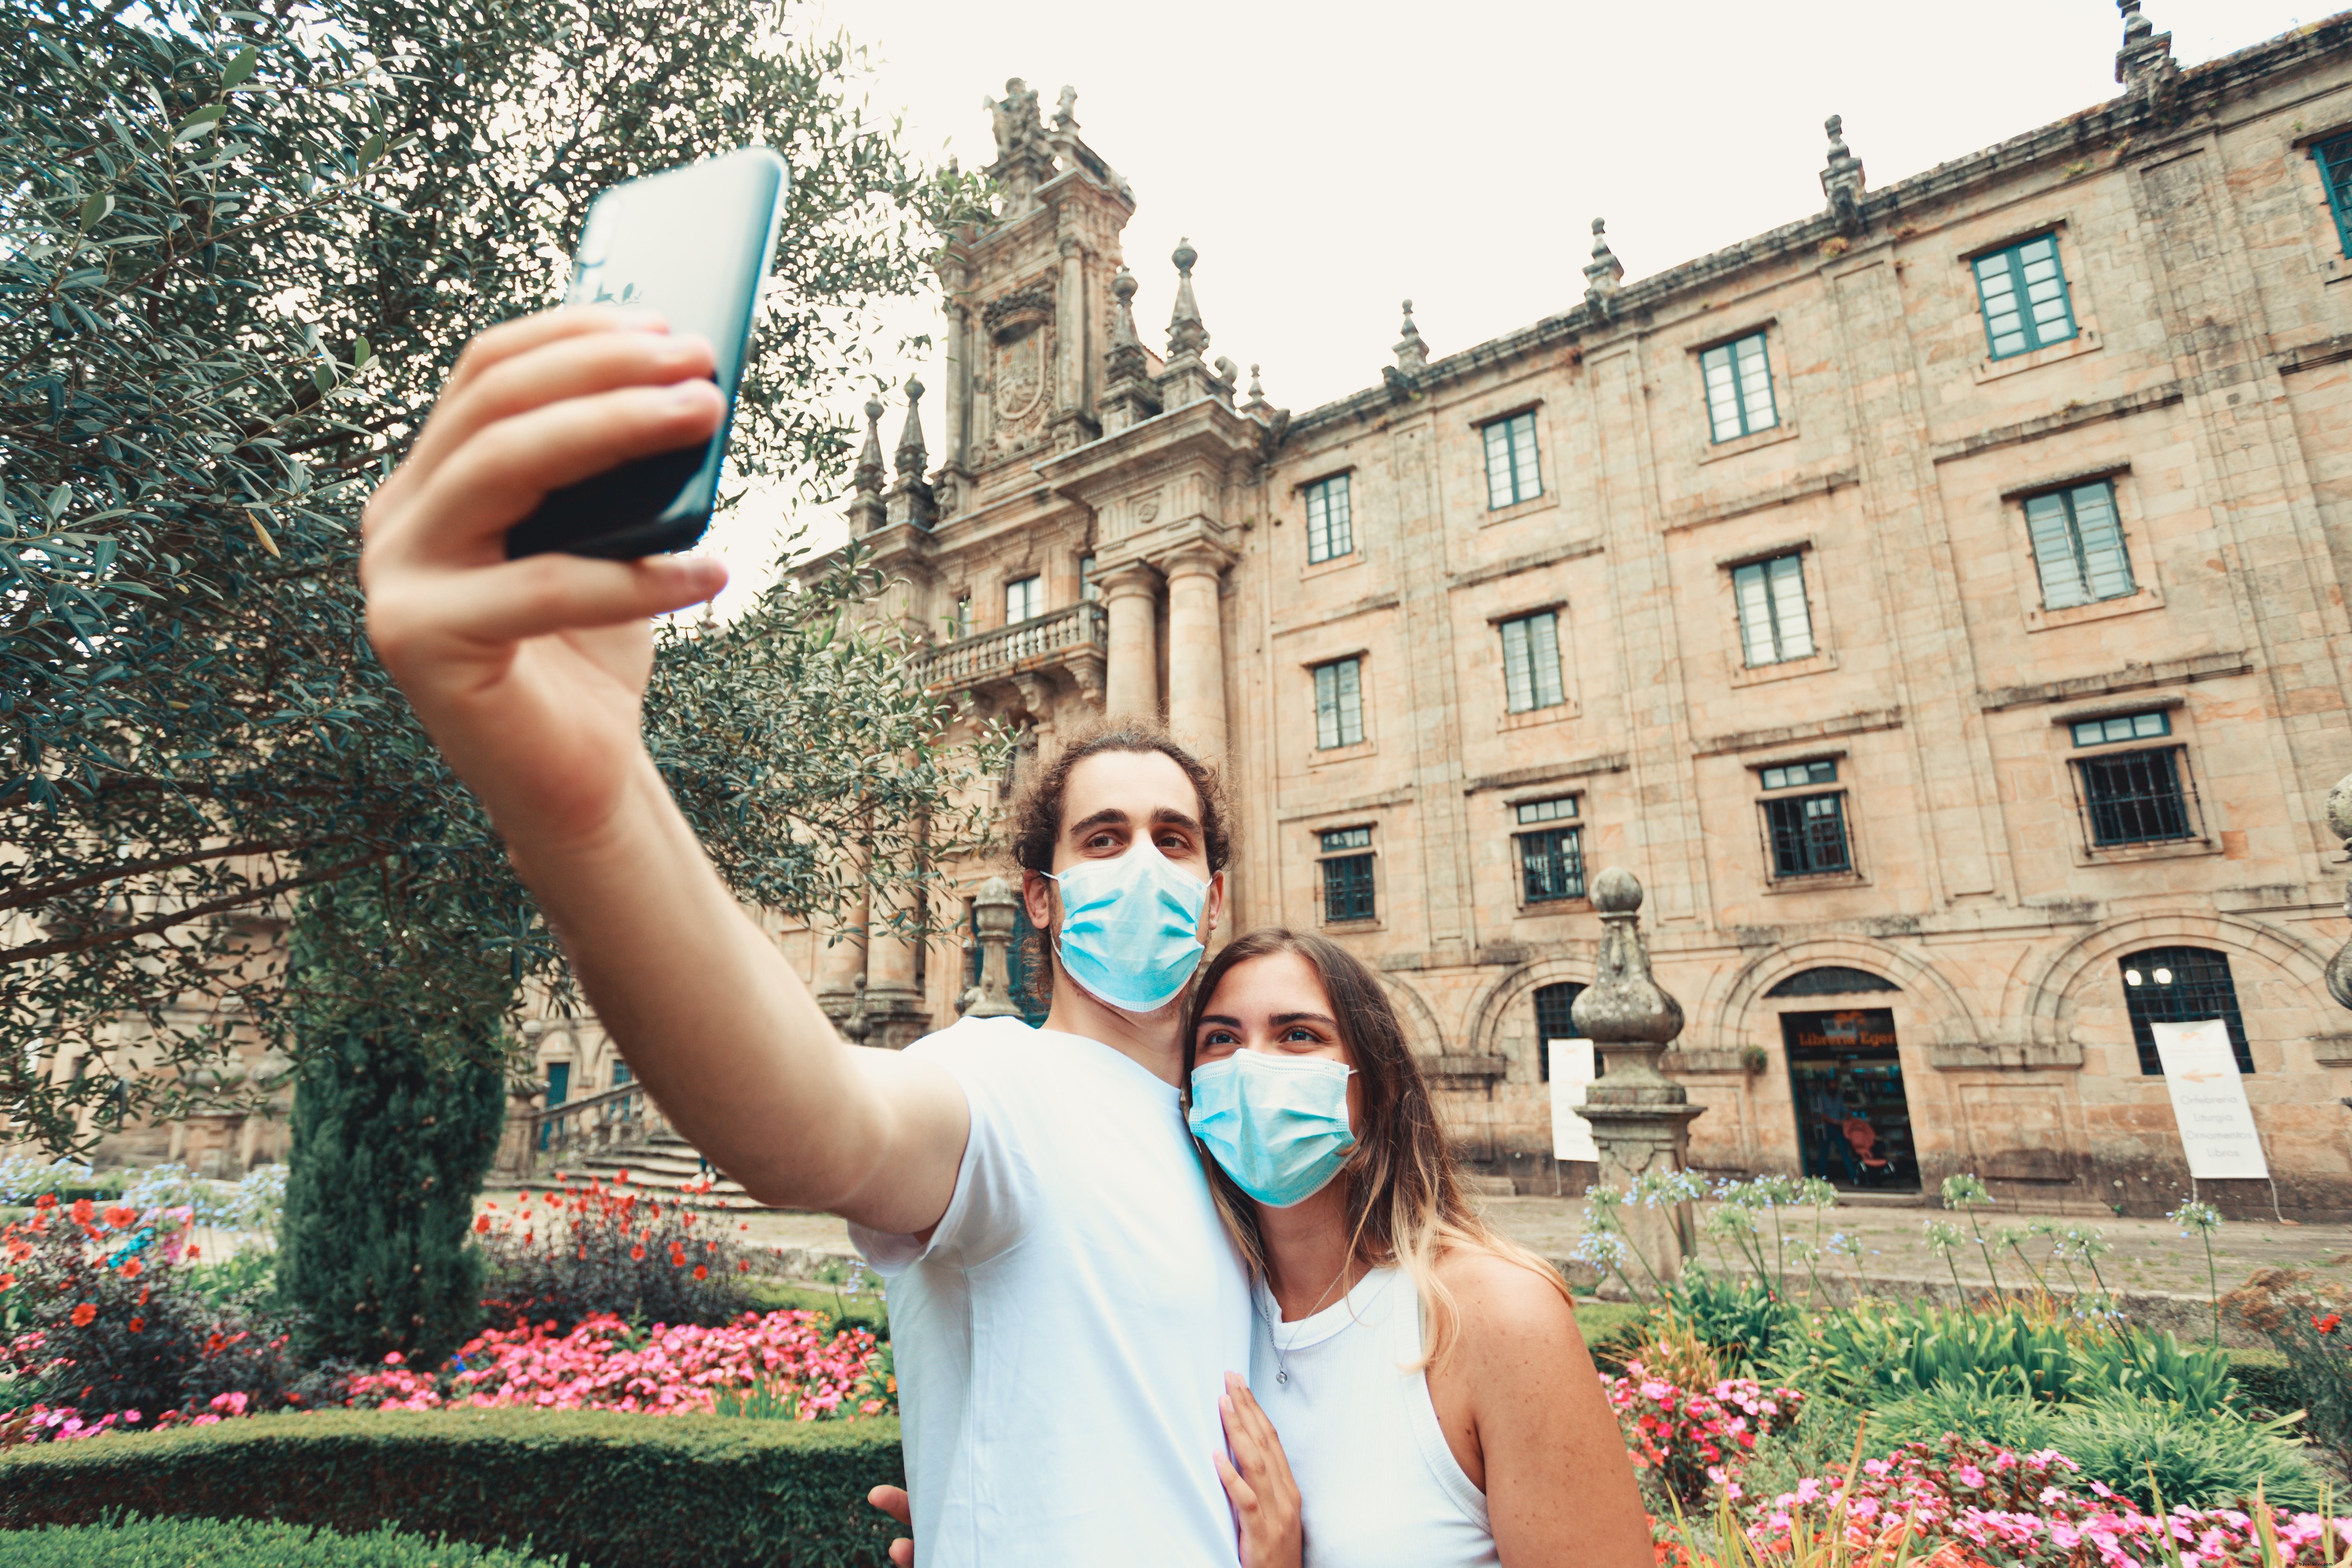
<point x="1066" y="1307"/>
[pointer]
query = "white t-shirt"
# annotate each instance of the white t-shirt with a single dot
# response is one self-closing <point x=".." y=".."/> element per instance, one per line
<point x="1062" y="1340"/>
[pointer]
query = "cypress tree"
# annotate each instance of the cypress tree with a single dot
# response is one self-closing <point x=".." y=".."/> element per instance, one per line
<point x="398" y="1105"/>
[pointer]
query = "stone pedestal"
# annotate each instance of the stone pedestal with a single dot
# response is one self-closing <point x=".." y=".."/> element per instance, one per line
<point x="1640" y="1117"/>
<point x="1131" y="684"/>
<point x="992" y="910"/>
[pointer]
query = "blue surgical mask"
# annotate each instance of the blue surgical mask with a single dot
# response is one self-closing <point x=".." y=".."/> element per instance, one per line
<point x="1278" y="1124"/>
<point x="1132" y="927"/>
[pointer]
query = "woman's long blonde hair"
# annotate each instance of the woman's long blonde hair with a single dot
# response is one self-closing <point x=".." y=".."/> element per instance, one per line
<point x="1404" y="1201"/>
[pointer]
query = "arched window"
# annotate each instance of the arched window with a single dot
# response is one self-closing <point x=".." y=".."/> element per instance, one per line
<point x="1553" y="1022"/>
<point x="1830" y="980"/>
<point x="2180" y="985"/>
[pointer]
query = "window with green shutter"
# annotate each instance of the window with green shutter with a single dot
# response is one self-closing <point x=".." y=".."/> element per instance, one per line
<point x="1512" y="475"/>
<point x="1775" y="623"/>
<point x="2023" y="291"/>
<point x="1346" y="864"/>
<point x="1531" y="663"/>
<point x="1339" y="703"/>
<point x="2334" y="160"/>
<point x="2078" y="546"/>
<point x="1330" y="527"/>
<point x="1739" y="380"/>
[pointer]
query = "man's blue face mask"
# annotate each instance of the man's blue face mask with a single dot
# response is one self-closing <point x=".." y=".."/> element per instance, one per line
<point x="1278" y="1124"/>
<point x="1131" y="927"/>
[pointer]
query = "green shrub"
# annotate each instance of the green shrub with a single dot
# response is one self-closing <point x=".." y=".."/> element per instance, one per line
<point x="2265" y="1381"/>
<point x="586" y="1246"/>
<point x="1610" y="1326"/>
<point x="1740" y="1315"/>
<point x="868" y="1310"/>
<point x="239" y="1543"/>
<point x="610" y="1491"/>
<point x="2304" y="1319"/>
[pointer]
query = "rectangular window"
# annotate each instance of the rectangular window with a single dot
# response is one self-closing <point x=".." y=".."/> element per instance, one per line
<point x="1330" y="528"/>
<point x="1023" y="598"/>
<point x="620" y="1073"/>
<point x="1739" y="388"/>
<point x="2334" y="160"/>
<point x="961" y="626"/>
<point x="2134" y="798"/>
<point x="1553" y="810"/>
<point x="1339" y="703"/>
<point x="1808" y="834"/>
<point x="1088" y="588"/>
<point x="2078" y="546"/>
<point x="2024" y="291"/>
<point x="1775" y="624"/>
<point x="1551" y="866"/>
<point x="1531" y="663"/>
<point x="1797" y="774"/>
<point x="2123" y="727"/>
<point x="1347" y="876"/>
<point x="1511" y="473"/>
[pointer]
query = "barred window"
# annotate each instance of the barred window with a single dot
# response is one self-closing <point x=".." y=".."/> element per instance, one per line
<point x="1551" y="866"/>
<point x="2078" y="546"/>
<point x="1330" y="527"/>
<point x="1739" y="378"/>
<point x="1339" y="703"/>
<point x="1555" y="1020"/>
<point x="2023" y="291"/>
<point x="1775" y="623"/>
<point x="1531" y="663"/>
<point x="1023" y="596"/>
<point x="2181" y="984"/>
<point x="1348" y="875"/>
<point x="2334" y="160"/>
<point x="1512" y="475"/>
<point x="2136" y="798"/>
<point x="1808" y="835"/>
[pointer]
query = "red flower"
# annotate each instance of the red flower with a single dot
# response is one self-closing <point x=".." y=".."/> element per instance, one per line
<point x="190" y="1254"/>
<point x="138" y="1325"/>
<point x="701" y="1271"/>
<point x="82" y="1209"/>
<point x="131" y="1270"/>
<point x="483" y="1224"/>
<point x="83" y="1313"/>
<point x="637" y="1254"/>
<point x="6" y="1281"/>
<point x="742" y="1265"/>
<point x="144" y="1291"/>
<point x="2327" y="1324"/>
<point x="121" y="1219"/>
<point x="621" y="1178"/>
<point x="47" y="1200"/>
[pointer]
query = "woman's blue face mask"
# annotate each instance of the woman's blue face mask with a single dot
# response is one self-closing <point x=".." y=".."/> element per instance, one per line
<point x="1132" y="927"/>
<point x="1278" y="1124"/>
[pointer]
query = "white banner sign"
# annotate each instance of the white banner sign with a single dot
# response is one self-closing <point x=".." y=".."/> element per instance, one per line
<point x="1571" y="1069"/>
<point x="2208" y="1101"/>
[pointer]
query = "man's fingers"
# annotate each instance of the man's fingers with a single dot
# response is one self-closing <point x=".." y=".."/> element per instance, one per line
<point x="523" y="333"/>
<point x="546" y="593"/>
<point x="578" y="365"/>
<point x="893" y="1501"/>
<point x="494" y="480"/>
<point x="902" y="1553"/>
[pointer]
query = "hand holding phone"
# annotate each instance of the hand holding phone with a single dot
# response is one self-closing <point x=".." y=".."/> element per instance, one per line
<point x="692" y="244"/>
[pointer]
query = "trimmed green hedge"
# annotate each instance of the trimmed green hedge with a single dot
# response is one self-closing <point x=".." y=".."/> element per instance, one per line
<point x="2262" y="1376"/>
<point x="608" y="1489"/>
<point x="239" y="1543"/>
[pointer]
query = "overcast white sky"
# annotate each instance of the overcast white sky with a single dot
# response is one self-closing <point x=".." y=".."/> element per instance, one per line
<point x="1329" y="160"/>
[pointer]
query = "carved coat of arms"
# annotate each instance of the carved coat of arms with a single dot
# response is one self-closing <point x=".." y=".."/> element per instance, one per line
<point x="1021" y="378"/>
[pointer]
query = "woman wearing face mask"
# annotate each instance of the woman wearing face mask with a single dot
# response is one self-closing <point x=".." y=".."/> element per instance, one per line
<point x="1421" y="1377"/>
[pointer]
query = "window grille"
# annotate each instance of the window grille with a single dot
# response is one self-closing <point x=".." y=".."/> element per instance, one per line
<point x="2181" y="984"/>
<point x="1512" y="475"/>
<point x="2136" y="798"/>
<point x="2078" y="546"/>
<point x="1331" y="525"/>
<point x="1531" y="663"/>
<point x="1348" y="877"/>
<point x="2335" y="160"/>
<point x="1551" y="866"/>
<point x="1796" y="775"/>
<point x="2123" y="727"/>
<point x="1808" y="835"/>
<point x="1556" y="809"/>
<point x="1739" y="378"/>
<point x="1024" y="597"/>
<point x="1832" y="980"/>
<point x="1555" y="1020"/>
<point x="1339" y="703"/>
<point x="1775" y="623"/>
<point x="2023" y="291"/>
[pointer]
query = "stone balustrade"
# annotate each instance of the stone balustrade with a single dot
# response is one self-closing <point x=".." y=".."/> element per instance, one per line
<point x="1025" y="645"/>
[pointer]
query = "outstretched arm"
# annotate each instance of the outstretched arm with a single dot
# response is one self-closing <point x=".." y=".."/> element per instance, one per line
<point x="530" y="675"/>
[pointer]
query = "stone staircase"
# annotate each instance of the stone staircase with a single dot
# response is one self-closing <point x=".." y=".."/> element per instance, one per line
<point x="619" y="1130"/>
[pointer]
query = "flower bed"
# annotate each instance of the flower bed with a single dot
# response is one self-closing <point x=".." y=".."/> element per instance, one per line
<point x="784" y="1360"/>
<point x="1694" y="1440"/>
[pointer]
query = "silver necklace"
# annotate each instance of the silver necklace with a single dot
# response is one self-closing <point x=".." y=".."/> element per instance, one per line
<point x="1281" y="1351"/>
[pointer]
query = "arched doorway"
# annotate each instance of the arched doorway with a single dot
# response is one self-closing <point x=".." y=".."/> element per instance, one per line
<point x="1845" y="1080"/>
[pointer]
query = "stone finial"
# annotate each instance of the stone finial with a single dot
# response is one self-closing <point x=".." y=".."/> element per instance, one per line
<point x="2340" y="823"/>
<point x="1842" y="179"/>
<point x="1257" y="404"/>
<point x="1603" y="273"/>
<point x="1228" y="374"/>
<point x="1412" y="353"/>
<point x="1186" y="335"/>
<point x="912" y="458"/>
<point x="870" y="472"/>
<point x="2144" y="66"/>
<point x="1624" y="1004"/>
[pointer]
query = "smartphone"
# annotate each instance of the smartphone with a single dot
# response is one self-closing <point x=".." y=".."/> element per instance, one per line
<point x="693" y="243"/>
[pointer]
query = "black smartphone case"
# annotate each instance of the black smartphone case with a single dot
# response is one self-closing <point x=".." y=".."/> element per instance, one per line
<point x="694" y="245"/>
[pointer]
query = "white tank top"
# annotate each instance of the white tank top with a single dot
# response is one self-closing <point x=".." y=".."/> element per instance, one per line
<point x="1378" y="1486"/>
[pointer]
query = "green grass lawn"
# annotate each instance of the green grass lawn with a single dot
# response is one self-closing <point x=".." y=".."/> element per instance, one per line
<point x="866" y="1311"/>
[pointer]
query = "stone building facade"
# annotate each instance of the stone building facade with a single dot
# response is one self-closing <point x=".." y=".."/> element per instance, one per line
<point x="1937" y="601"/>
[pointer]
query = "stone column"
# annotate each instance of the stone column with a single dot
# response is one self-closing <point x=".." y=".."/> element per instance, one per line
<point x="1196" y="650"/>
<point x="991" y="917"/>
<point x="1131" y="685"/>
<point x="1640" y="1117"/>
<point x="893" y="1006"/>
<point x="841" y="964"/>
